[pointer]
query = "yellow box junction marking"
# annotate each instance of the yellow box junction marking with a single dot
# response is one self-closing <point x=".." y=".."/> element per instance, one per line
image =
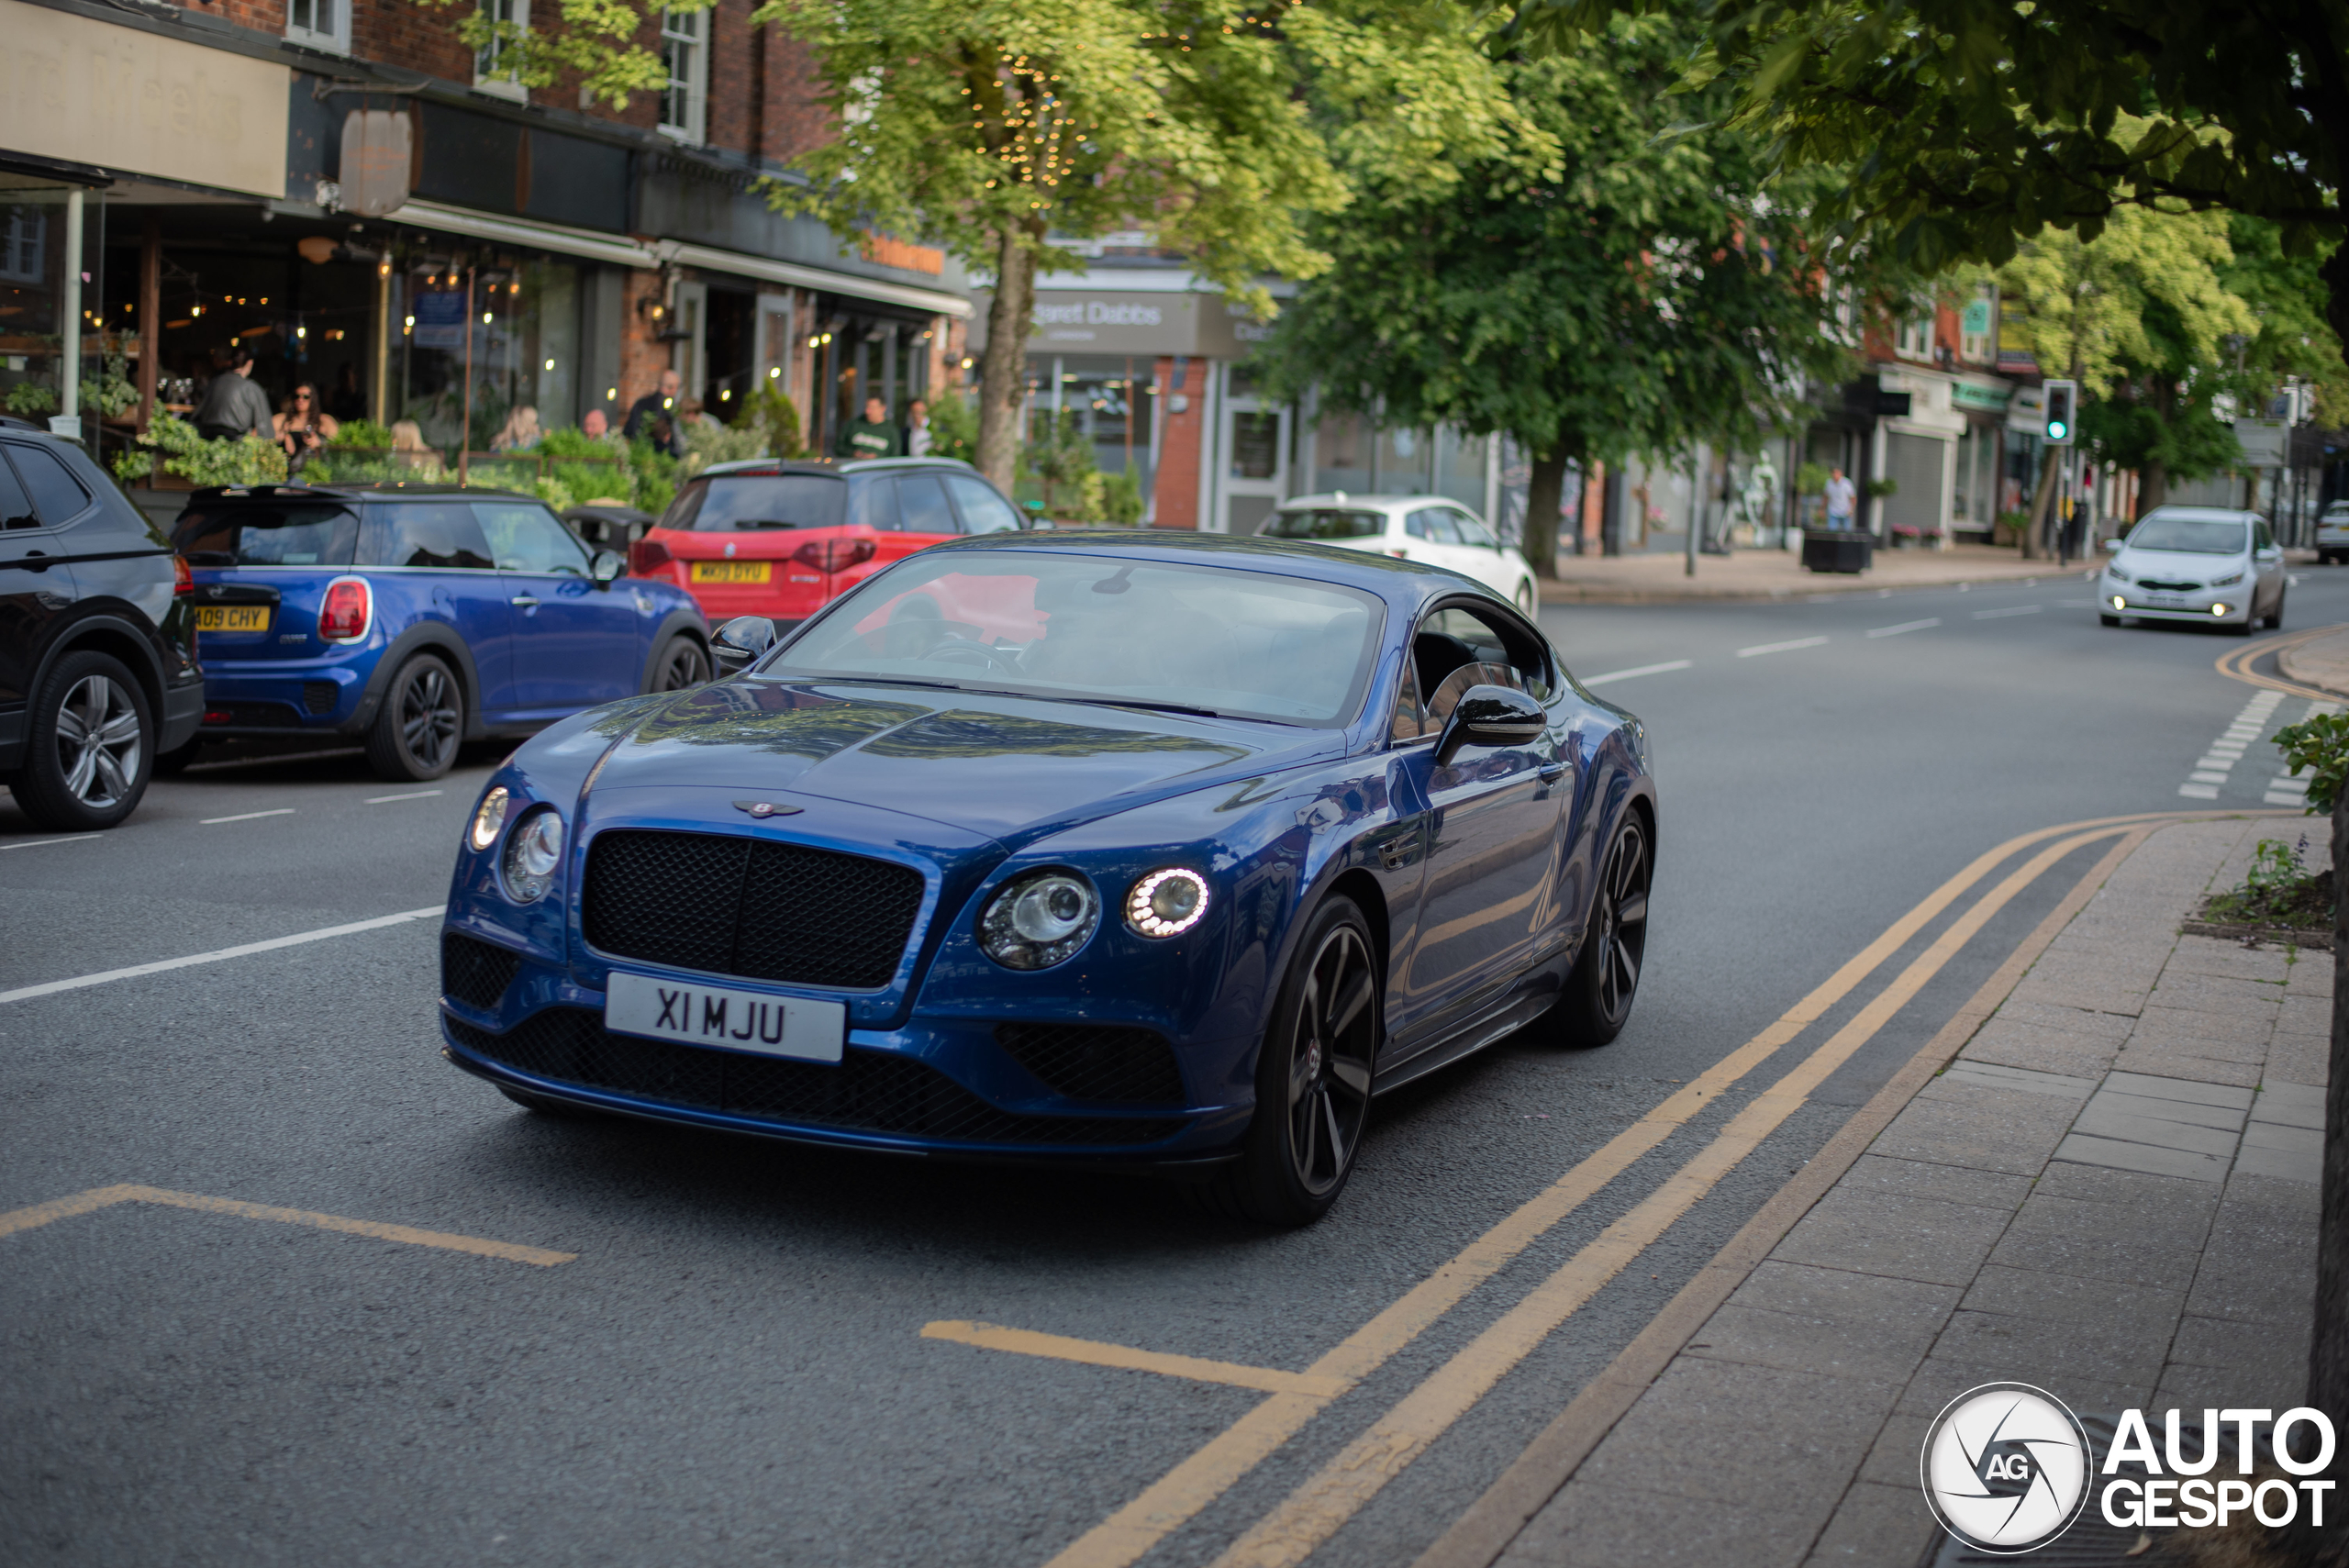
<point x="96" y="1198"/>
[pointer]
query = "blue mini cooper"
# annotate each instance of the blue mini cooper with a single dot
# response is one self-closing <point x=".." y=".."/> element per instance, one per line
<point x="415" y="617"/>
<point x="1147" y="850"/>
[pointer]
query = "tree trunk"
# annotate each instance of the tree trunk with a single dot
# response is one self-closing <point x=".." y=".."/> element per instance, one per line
<point x="1003" y="390"/>
<point x="1543" y="492"/>
<point x="2050" y="460"/>
<point x="2152" y="488"/>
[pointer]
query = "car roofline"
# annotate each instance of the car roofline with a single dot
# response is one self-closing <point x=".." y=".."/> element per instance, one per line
<point x="353" y="491"/>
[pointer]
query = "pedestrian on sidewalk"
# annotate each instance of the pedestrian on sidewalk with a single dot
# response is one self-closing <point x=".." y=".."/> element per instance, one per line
<point x="1842" y="497"/>
<point x="872" y="436"/>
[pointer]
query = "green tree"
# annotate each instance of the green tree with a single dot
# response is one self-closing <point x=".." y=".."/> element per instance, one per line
<point x="1000" y="129"/>
<point x="1966" y="126"/>
<point x="1608" y="284"/>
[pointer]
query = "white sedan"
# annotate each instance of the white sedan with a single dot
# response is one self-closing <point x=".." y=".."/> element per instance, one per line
<point x="1411" y="528"/>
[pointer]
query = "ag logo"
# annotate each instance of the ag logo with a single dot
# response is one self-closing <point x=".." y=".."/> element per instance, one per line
<point x="2006" y="1468"/>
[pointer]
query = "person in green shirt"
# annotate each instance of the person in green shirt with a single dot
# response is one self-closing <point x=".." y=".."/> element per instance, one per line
<point x="872" y="436"/>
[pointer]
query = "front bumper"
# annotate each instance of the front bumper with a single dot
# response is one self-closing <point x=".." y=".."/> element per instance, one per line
<point x="2209" y="607"/>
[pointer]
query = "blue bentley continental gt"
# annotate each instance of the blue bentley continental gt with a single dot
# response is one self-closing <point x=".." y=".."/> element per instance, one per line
<point x="1143" y="849"/>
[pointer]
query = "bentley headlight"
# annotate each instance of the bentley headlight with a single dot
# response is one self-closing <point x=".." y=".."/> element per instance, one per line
<point x="2226" y="581"/>
<point x="533" y="855"/>
<point x="1167" y="903"/>
<point x="489" y="818"/>
<point x="1039" y="919"/>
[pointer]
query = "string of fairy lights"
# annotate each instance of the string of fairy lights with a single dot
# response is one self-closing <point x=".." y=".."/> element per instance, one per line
<point x="1032" y="133"/>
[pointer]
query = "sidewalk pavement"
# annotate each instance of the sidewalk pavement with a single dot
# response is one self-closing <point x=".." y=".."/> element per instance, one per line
<point x="1778" y="574"/>
<point x="2321" y="659"/>
<point x="2111" y="1192"/>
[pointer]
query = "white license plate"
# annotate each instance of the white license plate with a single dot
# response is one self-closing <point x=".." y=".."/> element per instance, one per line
<point x="719" y="1016"/>
<point x="2164" y="602"/>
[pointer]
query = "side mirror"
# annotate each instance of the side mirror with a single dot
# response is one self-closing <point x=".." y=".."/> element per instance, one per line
<point x="609" y="567"/>
<point x="1489" y="716"/>
<point x="2112" y="547"/>
<point x="739" y="643"/>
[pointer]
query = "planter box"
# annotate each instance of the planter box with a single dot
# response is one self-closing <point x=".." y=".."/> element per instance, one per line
<point x="1836" y="550"/>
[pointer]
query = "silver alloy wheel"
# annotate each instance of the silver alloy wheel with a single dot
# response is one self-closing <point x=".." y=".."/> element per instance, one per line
<point x="97" y="741"/>
<point x="1335" y="1034"/>
<point x="1622" y="933"/>
<point x="429" y="715"/>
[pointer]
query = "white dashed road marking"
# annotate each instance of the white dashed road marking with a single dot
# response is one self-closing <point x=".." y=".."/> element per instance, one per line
<point x="104" y="976"/>
<point x="1905" y="626"/>
<point x="1780" y="647"/>
<point x="412" y="794"/>
<point x="2228" y="749"/>
<point x="2010" y="610"/>
<point x="247" y="815"/>
<point x="36" y="843"/>
<point x="1633" y="675"/>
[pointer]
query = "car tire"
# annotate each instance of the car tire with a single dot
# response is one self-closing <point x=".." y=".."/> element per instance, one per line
<point x="2276" y="615"/>
<point x="2107" y="621"/>
<point x="1313" y="1077"/>
<point x="681" y="664"/>
<point x="1529" y="598"/>
<point x="1604" y="980"/>
<point x="422" y="722"/>
<point x="89" y="748"/>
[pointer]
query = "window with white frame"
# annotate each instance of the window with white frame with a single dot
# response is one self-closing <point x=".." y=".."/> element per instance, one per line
<point x="685" y="50"/>
<point x="321" y="24"/>
<point x="1914" y="339"/>
<point x="492" y="72"/>
<point x="23" y="233"/>
<point x="1978" y="322"/>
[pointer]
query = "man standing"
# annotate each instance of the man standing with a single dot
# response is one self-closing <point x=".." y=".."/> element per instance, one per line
<point x="872" y="436"/>
<point x="918" y="429"/>
<point x="1842" y="496"/>
<point x="653" y="417"/>
<point x="233" y="406"/>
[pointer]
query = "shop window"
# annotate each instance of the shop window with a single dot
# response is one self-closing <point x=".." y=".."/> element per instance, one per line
<point x="685" y="51"/>
<point x="321" y="24"/>
<point x="490" y="73"/>
<point x="523" y="321"/>
<point x="21" y="238"/>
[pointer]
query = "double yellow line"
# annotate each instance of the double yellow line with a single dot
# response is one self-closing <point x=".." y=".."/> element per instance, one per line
<point x="1315" y="1510"/>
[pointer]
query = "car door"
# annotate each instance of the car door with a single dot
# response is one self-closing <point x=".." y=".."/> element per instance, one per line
<point x="1435" y="539"/>
<point x="1490" y="827"/>
<point x="1481" y="553"/>
<point x="576" y="643"/>
<point x="2269" y="561"/>
<point x="35" y="588"/>
<point x="441" y="564"/>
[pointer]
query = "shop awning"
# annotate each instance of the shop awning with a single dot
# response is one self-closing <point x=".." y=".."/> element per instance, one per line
<point x="622" y="252"/>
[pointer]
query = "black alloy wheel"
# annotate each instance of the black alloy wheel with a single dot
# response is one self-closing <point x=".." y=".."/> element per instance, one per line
<point x="90" y="748"/>
<point x="1313" y="1076"/>
<point x="682" y="665"/>
<point x="415" y="737"/>
<point x="1606" y="979"/>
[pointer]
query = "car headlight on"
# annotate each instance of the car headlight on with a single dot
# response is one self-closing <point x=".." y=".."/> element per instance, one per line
<point x="1167" y="903"/>
<point x="533" y="855"/>
<point x="489" y="817"/>
<point x="1039" y="919"/>
<point x="2227" y="582"/>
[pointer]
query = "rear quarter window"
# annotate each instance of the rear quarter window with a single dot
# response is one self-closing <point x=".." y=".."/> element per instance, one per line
<point x="297" y="534"/>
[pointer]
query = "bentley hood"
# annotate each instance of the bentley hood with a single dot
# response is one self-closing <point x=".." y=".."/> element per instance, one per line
<point x="1002" y="766"/>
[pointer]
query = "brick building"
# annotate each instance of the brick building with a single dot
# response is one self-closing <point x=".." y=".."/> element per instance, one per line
<point x="348" y="189"/>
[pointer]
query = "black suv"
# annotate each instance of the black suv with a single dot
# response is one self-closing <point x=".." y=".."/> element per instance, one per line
<point x="97" y="669"/>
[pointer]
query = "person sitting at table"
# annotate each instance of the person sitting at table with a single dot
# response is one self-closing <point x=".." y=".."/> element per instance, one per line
<point x="409" y="454"/>
<point x="521" y="432"/>
<point x="302" y="427"/>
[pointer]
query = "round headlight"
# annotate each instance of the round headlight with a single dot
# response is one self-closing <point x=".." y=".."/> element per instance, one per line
<point x="1039" y="920"/>
<point x="489" y="817"/>
<point x="533" y="855"/>
<point x="1167" y="903"/>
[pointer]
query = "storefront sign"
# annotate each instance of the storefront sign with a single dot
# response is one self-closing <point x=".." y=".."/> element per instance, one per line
<point x="93" y="92"/>
<point x="1990" y="400"/>
<point x="440" y="319"/>
<point x="1136" y="322"/>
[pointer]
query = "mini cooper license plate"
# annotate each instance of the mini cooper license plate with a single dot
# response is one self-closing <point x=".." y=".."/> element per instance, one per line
<point x="720" y="1016"/>
<point x="731" y="570"/>
<point x="232" y="618"/>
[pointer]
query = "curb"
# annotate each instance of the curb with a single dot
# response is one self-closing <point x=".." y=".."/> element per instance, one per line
<point x="2295" y="668"/>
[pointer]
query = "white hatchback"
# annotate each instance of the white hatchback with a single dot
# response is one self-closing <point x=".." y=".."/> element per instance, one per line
<point x="1411" y="528"/>
<point x="2195" y="563"/>
<point x="2333" y="534"/>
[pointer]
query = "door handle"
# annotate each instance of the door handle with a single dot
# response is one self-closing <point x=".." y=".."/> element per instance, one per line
<point x="1551" y="772"/>
<point x="32" y="561"/>
<point x="524" y="601"/>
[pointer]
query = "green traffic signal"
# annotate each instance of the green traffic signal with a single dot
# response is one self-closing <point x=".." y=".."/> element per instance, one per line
<point x="2057" y="429"/>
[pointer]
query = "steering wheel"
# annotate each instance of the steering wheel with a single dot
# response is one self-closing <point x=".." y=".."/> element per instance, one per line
<point x="950" y="649"/>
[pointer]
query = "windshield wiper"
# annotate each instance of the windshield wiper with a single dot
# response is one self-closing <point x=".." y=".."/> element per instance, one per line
<point x="869" y="680"/>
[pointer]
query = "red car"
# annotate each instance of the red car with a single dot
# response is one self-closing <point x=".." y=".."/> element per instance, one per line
<point x="783" y="540"/>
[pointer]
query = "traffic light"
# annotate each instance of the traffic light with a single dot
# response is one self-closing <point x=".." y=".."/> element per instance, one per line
<point x="2062" y="404"/>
